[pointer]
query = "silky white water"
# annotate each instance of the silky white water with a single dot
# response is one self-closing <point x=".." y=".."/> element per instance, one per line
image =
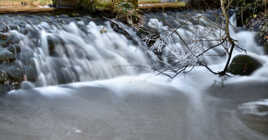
<point x="116" y="92"/>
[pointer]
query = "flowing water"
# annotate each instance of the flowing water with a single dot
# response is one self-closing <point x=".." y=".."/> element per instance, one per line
<point x="113" y="91"/>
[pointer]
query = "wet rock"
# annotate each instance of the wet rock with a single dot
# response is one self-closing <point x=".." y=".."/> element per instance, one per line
<point x="150" y="35"/>
<point x="25" y="56"/>
<point x="3" y="37"/>
<point x="6" y="55"/>
<point x="3" y="28"/>
<point x="15" y="49"/>
<point x="117" y="28"/>
<point x="31" y="73"/>
<point x="13" y="75"/>
<point x="244" y="65"/>
<point x="13" y="27"/>
<point x="29" y="66"/>
<point x="15" y="71"/>
<point x="27" y="85"/>
<point x="3" y="76"/>
<point x="52" y="43"/>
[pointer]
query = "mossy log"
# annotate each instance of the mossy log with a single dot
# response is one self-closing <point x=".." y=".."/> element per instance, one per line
<point x="148" y="1"/>
<point x="101" y="5"/>
<point x="161" y="5"/>
<point x="25" y="10"/>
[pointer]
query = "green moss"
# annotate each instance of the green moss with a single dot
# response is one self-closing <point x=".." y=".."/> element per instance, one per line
<point x="149" y="1"/>
<point x="244" y="65"/>
<point x="103" y="4"/>
<point x="94" y="5"/>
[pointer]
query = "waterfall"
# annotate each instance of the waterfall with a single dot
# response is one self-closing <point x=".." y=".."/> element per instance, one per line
<point x="114" y="83"/>
<point x="78" y="51"/>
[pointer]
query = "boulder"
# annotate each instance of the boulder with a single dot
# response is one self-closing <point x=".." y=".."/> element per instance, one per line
<point x="6" y="55"/>
<point x="13" y="76"/>
<point x="27" y="85"/>
<point x="14" y="71"/>
<point x="244" y="65"/>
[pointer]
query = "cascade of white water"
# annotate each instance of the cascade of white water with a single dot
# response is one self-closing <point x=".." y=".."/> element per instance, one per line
<point x="68" y="54"/>
<point x="135" y="105"/>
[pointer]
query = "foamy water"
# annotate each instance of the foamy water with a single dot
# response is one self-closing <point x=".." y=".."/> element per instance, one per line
<point x="111" y="102"/>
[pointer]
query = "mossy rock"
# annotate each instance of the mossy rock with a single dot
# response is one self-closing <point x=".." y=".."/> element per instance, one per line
<point x="244" y="65"/>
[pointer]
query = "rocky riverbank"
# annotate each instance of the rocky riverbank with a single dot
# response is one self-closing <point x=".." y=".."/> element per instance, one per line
<point x="41" y="49"/>
<point x="16" y="57"/>
<point x="15" y="64"/>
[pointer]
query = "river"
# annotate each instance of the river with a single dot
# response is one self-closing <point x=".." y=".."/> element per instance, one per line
<point x="88" y="81"/>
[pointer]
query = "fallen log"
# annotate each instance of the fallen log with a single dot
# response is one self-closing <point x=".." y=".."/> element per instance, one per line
<point x="25" y="10"/>
<point x="161" y="5"/>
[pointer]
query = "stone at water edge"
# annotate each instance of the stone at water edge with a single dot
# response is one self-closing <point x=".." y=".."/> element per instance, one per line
<point x="12" y="76"/>
<point x="244" y="65"/>
<point x="27" y="85"/>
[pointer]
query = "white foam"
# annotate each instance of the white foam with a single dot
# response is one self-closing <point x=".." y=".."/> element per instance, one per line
<point x="253" y="107"/>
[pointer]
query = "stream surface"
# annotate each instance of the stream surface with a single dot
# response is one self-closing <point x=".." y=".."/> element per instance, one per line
<point x="90" y="81"/>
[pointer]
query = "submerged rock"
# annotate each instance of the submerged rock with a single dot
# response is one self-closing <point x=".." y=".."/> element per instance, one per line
<point x="255" y="115"/>
<point x="27" y="85"/>
<point x="244" y="65"/>
<point x="31" y="73"/>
